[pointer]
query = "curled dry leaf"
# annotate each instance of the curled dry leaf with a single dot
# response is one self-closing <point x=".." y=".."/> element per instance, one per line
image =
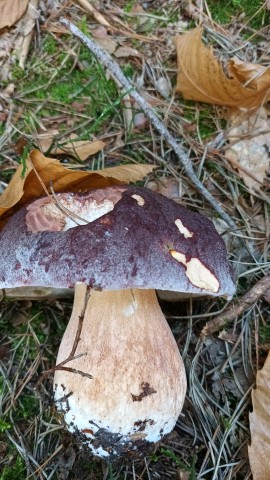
<point x="11" y="11"/>
<point x="26" y="182"/>
<point x="259" y="450"/>
<point x="201" y="76"/>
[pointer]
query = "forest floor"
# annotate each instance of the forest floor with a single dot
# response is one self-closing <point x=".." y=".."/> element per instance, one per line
<point x="59" y="93"/>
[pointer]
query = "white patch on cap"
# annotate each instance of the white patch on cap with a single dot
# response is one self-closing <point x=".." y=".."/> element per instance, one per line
<point x="182" y="229"/>
<point x="197" y="273"/>
<point x="88" y="211"/>
<point x="140" y="200"/>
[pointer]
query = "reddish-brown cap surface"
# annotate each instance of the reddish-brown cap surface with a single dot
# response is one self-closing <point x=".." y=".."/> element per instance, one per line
<point x="145" y="241"/>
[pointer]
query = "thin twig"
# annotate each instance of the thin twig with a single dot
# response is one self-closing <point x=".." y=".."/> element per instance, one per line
<point x="60" y="366"/>
<point x="237" y="307"/>
<point x="72" y="215"/>
<point x="183" y="158"/>
<point x="80" y="324"/>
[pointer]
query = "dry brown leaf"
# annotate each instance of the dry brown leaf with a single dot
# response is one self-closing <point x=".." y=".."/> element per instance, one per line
<point x="108" y="44"/>
<point x="23" y="188"/>
<point x="81" y="149"/>
<point x="101" y="36"/>
<point x="259" y="450"/>
<point x="26" y="31"/>
<point x="201" y="77"/>
<point x="11" y="11"/>
<point x="249" y="138"/>
<point x="88" y="7"/>
<point x="122" y="52"/>
<point x="45" y="140"/>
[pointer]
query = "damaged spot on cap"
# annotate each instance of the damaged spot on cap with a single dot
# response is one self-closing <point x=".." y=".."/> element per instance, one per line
<point x="182" y="229"/>
<point x="197" y="273"/>
<point x="68" y="210"/>
<point x="43" y="215"/>
<point x="140" y="200"/>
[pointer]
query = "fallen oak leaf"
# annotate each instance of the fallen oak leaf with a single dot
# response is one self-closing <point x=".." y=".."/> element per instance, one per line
<point x="38" y="172"/>
<point x="259" y="450"/>
<point x="201" y="77"/>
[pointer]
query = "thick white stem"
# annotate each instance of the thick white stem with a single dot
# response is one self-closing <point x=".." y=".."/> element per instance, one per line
<point x="139" y="383"/>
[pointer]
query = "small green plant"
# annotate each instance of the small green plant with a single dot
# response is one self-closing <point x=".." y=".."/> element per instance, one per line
<point x="50" y="45"/>
<point x="175" y="458"/>
<point x="4" y="426"/>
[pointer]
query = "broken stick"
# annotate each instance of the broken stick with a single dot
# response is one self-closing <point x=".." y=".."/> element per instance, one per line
<point x="183" y="158"/>
<point x="237" y="307"/>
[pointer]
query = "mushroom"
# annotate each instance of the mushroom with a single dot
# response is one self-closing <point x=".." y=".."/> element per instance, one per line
<point x="119" y="380"/>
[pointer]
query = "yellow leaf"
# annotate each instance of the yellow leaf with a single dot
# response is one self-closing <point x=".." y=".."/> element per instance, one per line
<point x="259" y="450"/>
<point x="201" y="77"/>
<point x="11" y="11"/>
<point x="42" y="171"/>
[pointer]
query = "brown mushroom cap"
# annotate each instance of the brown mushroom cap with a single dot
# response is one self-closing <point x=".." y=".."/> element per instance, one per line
<point x="145" y="241"/>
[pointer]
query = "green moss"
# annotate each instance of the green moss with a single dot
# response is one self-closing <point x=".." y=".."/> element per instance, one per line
<point x="49" y="45"/>
<point x="57" y="79"/>
<point x="82" y="25"/>
<point x="203" y="117"/>
<point x="128" y="70"/>
<point x="225" y="10"/>
<point x="16" y="471"/>
<point x="264" y="334"/>
<point x="29" y="406"/>
<point x="129" y="6"/>
<point x="17" y="73"/>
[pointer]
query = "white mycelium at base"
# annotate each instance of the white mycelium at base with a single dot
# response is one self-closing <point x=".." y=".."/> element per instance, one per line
<point x="138" y="385"/>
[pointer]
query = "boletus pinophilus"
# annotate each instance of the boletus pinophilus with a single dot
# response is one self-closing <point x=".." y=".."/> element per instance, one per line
<point x="124" y="384"/>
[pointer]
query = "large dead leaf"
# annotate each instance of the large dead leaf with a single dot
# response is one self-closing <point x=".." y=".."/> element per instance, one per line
<point x="259" y="450"/>
<point x="11" y="11"/>
<point x="201" y="76"/>
<point x="26" y="183"/>
<point x="249" y="138"/>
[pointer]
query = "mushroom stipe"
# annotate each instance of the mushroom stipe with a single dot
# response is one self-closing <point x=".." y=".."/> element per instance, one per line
<point x="122" y="382"/>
